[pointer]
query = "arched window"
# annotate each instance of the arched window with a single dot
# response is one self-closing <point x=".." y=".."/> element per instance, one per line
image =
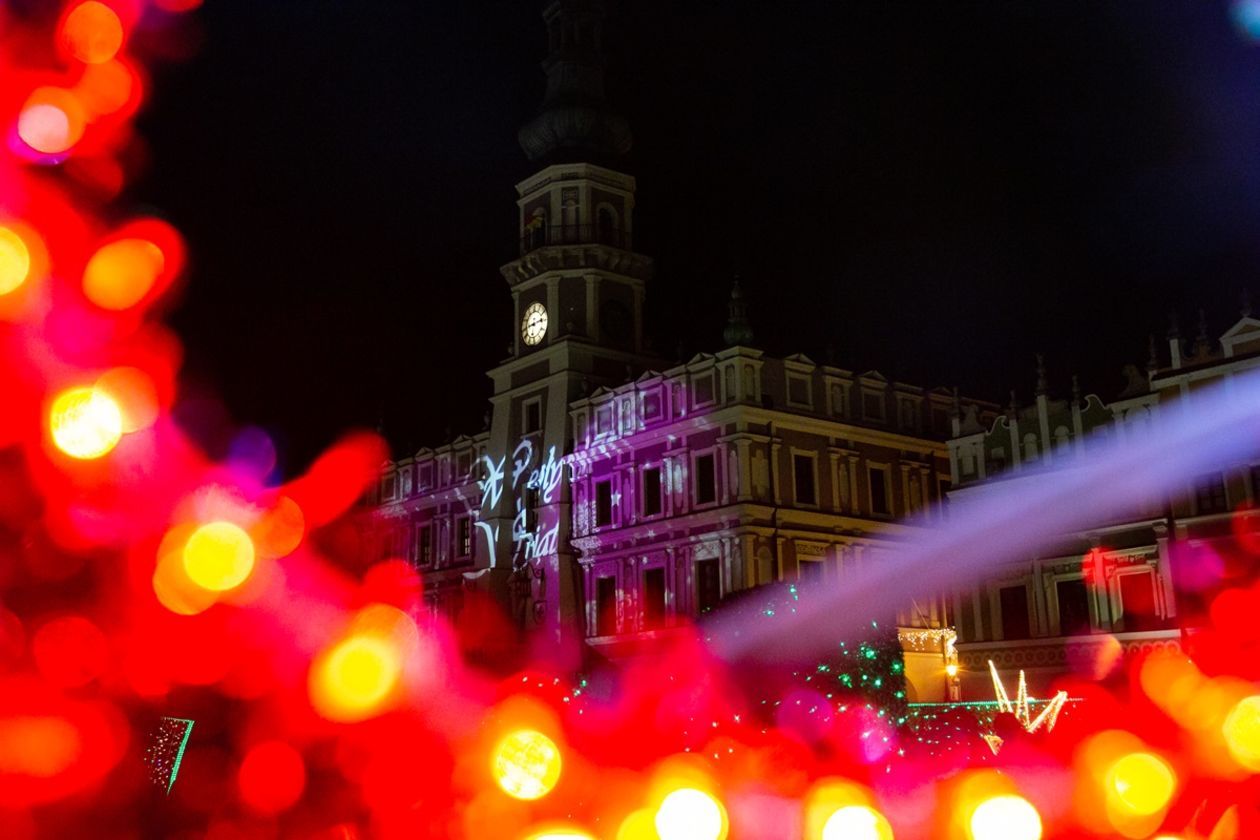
<point x="606" y="225"/>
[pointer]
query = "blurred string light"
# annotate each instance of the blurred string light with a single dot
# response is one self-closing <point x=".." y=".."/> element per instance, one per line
<point x="857" y="822"/>
<point x="1007" y="817"/>
<point x="1241" y="729"/>
<point x="690" y="814"/>
<point x="1140" y="784"/>
<point x="92" y="32"/>
<point x="121" y="273"/>
<point x="164" y="753"/>
<point x="52" y="121"/>
<point x="85" y="422"/>
<point x="526" y="764"/>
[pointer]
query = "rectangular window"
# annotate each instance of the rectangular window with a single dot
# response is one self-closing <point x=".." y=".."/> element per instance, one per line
<point x="803" y="475"/>
<point x="702" y="389"/>
<point x="531" y="508"/>
<point x="603" y="503"/>
<point x="424" y="545"/>
<point x="651" y="491"/>
<point x="1073" y="598"/>
<point x="706" y="480"/>
<point x="1209" y="494"/>
<point x="531" y="420"/>
<point x="798" y="391"/>
<point x="1014" y="605"/>
<point x="653" y="598"/>
<point x="872" y="405"/>
<point x="463" y="536"/>
<point x="708" y="586"/>
<point x="811" y="571"/>
<point x="605" y="606"/>
<point x="1137" y="602"/>
<point x="878" y="477"/>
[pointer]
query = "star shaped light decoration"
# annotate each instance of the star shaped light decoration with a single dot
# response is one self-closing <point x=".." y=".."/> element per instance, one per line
<point x="1020" y="708"/>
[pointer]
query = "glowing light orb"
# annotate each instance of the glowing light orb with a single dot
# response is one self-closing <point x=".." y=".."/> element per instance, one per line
<point x="51" y="121"/>
<point x="1006" y="818"/>
<point x="353" y="679"/>
<point x="15" y="261"/>
<point x="1242" y="732"/>
<point x="856" y="822"/>
<point x="560" y="834"/>
<point x="219" y="556"/>
<point x="1246" y="15"/>
<point x="121" y="273"/>
<point x="690" y="814"/>
<point x="1140" y="783"/>
<point x="85" y="423"/>
<point x="526" y="764"/>
<point x="92" y="32"/>
<point x="951" y="670"/>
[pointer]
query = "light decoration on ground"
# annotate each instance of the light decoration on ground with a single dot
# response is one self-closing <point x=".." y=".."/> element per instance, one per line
<point x="1021" y="708"/>
<point x="165" y="751"/>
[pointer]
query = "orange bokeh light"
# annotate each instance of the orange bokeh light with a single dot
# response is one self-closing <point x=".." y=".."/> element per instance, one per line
<point x="52" y="121"/>
<point x="1241" y="729"/>
<point x="38" y="746"/>
<point x="86" y="423"/>
<point x="92" y="32"/>
<point x="135" y="394"/>
<point x="271" y="777"/>
<point x="121" y="273"/>
<point x="106" y="88"/>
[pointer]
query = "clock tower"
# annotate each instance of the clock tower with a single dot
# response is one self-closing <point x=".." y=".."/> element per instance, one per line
<point x="578" y="288"/>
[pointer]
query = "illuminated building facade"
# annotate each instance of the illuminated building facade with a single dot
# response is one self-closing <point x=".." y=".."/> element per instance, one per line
<point x="615" y="495"/>
<point x="1122" y="587"/>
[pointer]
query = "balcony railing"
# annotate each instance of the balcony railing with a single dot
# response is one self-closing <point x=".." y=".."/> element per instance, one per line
<point x="543" y="236"/>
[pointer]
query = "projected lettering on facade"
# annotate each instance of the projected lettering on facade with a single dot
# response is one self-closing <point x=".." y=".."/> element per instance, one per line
<point x="530" y="539"/>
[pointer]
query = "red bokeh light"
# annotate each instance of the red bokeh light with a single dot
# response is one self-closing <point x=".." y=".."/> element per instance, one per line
<point x="271" y="777"/>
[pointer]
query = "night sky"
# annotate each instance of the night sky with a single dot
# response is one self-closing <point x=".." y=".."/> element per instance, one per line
<point x="935" y="190"/>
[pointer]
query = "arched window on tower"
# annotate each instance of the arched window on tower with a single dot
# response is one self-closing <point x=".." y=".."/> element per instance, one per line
<point x="537" y="229"/>
<point x="606" y="225"/>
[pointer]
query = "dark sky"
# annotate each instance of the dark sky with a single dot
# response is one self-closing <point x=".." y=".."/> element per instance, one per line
<point x="936" y="190"/>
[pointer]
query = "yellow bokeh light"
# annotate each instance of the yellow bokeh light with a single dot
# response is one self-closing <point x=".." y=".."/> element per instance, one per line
<point x="690" y="814"/>
<point x="560" y="834"/>
<point x="15" y="261"/>
<point x="1242" y="732"/>
<point x="85" y="423"/>
<point x="1140" y="784"/>
<point x="951" y="669"/>
<point x="857" y="822"/>
<point x="352" y="680"/>
<point x="526" y="764"/>
<point x="638" y="825"/>
<point x="219" y="556"/>
<point x="121" y="273"/>
<point x="1006" y="818"/>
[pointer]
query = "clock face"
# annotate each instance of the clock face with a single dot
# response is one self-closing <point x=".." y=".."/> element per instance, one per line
<point x="534" y="324"/>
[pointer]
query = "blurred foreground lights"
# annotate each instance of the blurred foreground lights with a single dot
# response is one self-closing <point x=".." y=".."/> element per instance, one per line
<point x="1242" y="733"/>
<point x="1006" y="818"/>
<point x="15" y="261"/>
<point x="857" y="822"/>
<point x="352" y="680"/>
<point x="526" y="764"/>
<point x="92" y="32"/>
<point x="51" y="122"/>
<point x="121" y="273"/>
<point x="690" y="814"/>
<point x="271" y="777"/>
<point x="561" y="833"/>
<point x="1140" y="784"/>
<point x="85" y="423"/>
<point x="219" y="556"/>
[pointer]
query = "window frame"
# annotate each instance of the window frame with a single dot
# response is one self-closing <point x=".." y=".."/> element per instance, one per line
<point x="659" y="469"/>
<point x="696" y="455"/>
<point x="812" y="457"/>
<point x="596" y="484"/>
<point x="463" y="540"/>
<point x="890" y="509"/>
<point x="527" y="404"/>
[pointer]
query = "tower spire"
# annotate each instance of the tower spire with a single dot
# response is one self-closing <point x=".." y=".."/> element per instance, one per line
<point x="738" y="329"/>
<point x="575" y="120"/>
